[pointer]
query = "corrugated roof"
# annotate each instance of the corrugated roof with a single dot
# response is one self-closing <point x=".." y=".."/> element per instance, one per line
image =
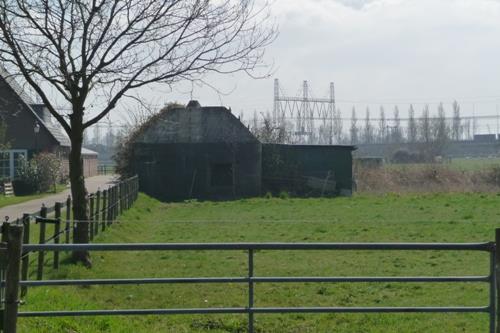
<point x="54" y="129"/>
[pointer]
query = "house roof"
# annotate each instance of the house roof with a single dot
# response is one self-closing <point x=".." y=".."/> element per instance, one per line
<point x="86" y="151"/>
<point x="54" y="129"/>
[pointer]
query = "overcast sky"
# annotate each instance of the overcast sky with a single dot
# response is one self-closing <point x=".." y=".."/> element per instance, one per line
<point x="375" y="51"/>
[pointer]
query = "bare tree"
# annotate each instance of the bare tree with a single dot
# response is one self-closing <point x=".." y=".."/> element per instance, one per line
<point x="396" y="134"/>
<point x="382" y="126"/>
<point x="412" y="125"/>
<point x="456" y="131"/>
<point x="441" y="130"/>
<point x="354" y="127"/>
<point x="94" y="53"/>
<point x="425" y="125"/>
<point x="337" y="127"/>
<point x="368" y="130"/>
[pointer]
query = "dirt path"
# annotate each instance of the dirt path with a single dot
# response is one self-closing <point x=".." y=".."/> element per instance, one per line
<point x="15" y="211"/>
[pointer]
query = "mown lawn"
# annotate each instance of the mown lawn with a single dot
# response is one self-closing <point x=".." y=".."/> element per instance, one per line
<point x="391" y="218"/>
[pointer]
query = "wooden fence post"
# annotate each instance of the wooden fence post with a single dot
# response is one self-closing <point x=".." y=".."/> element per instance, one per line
<point x="26" y="256"/>
<point x="57" y="231"/>
<point x="91" y="217"/>
<point x="14" y="248"/>
<point x="41" y="254"/>
<point x="68" y="219"/>
<point x="97" y="210"/>
<point x="497" y="274"/>
<point x="104" y="209"/>
<point x="108" y="208"/>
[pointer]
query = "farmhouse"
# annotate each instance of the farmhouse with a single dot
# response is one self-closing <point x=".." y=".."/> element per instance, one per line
<point x="30" y="129"/>
<point x="207" y="153"/>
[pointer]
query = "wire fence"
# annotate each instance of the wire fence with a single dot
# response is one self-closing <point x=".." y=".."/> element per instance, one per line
<point x="56" y="225"/>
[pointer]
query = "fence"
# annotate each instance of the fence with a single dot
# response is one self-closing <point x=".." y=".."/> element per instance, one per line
<point x="250" y="279"/>
<point x="104" y="207"/>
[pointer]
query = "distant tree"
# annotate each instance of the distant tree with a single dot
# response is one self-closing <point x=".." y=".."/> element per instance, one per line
<point x="425" y="126"/>
<point x="354" y="127"/>
<point x="269" y="132"/>
<point x="456" y="131"/>
<point x="440" y="128"/>
<point x="412" y="125"/>
<point x="368" y="130"/>
<point x="397" y="134"/>
<point x="382" y="126"/>
<point x="337" y="127"/>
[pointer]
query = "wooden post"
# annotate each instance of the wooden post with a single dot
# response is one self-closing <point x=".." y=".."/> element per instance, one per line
<point x="104" y="209"/>
<point x="110" y="205"/>
<point x="97" y="210"/>
<point x="91" y="216"/>
<point x="14" y="248"/>
<point x="25" y="257"/>
<point x="41" y="254"/>
<point x="57" y="231"/>
<point x="497" y="273"/>
<point x="68" y="220"/>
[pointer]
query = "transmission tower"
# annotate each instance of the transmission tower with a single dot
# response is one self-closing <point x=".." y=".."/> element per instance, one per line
<point x="311" y="119"/>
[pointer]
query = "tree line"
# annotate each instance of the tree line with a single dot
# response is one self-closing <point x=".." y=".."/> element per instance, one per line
<point x="424" y="127"/>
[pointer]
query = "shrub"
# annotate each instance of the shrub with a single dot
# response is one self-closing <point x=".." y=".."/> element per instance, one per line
<point x="48" y="168"/>
<point x="38" y="174"/>
<point x="284" y="195"/>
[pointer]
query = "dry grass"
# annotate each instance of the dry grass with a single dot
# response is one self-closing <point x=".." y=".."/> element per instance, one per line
<point x="427" y="178"/>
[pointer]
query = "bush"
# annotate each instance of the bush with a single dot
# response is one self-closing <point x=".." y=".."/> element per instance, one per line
<point x="38" y="174"/>
<point x="48" y="168"/>
<point x="26" y="181"/>
<point x="284" y="195"/>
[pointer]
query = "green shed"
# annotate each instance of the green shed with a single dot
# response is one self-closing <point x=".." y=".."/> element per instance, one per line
<point x="307" y="169"/>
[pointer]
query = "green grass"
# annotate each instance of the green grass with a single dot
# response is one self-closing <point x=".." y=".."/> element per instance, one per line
<point x="391" y="218"/>
<point x="7" y="201"/>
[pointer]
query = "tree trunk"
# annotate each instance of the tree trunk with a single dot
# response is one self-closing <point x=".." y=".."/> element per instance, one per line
<point x="79" y="194"/>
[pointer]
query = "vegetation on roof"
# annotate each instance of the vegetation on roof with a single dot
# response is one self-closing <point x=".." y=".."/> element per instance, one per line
<point x="124" y="151"/>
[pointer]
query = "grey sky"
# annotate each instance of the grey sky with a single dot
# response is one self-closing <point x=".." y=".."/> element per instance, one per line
<point x="377" y="51"/>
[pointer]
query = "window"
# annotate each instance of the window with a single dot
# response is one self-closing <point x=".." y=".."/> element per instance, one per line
<point x="4" y="164"/>
<point x="10" y="162"/>
<point x="222" y="174"/>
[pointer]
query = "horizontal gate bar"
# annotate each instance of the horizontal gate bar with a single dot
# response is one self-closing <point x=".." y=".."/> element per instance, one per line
<point x="261" y="246"/>
<point x="372" y="309"/>
<point x="131" y="312"/>
<point x="255" y="310"/>
<point x="253" y="279"/>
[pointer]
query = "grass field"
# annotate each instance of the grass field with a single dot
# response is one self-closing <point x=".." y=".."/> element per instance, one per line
<point x="389" y="218"/>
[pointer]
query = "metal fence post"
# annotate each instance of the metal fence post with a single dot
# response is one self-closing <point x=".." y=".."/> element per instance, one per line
<point x="14" y="248"/>
<point x="250" y="291"/>
<point x="26" y="254"/>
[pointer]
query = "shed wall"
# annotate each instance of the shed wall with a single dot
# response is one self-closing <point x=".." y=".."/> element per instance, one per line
<point x="178" y="171"/>
<point x="289" y="167"/>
